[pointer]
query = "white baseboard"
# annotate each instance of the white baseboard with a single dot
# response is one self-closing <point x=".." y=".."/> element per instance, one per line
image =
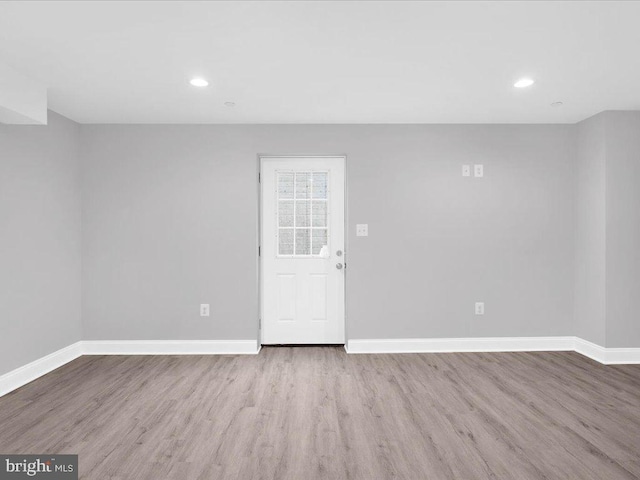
<point x="170" y="347"/>
<point x="23" y="375"/>
<point x="433" y="345"/>
<point x="591" y="350"/>
<point x="29" y="372"/>
<point x="607" y="356"/>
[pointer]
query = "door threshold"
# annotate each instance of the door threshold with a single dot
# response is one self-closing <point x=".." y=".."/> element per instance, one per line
<point x="303" y="345"/>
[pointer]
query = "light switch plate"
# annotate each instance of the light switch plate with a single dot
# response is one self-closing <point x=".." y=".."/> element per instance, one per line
<point x="362" y="230"/>
<point x="204" y="309"/>
<point x="466" y="170"/>
<point x="478" y="171"/>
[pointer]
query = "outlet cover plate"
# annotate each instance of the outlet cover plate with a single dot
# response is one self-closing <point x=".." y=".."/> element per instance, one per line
<point x="362" y="230"/>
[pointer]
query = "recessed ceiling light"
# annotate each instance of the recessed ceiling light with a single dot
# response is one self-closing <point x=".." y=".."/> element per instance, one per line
<point x="523" y="83"/>
<point x="557" y="104"/>
<point x="229" y="104"/>
<point x="199" y="82"/>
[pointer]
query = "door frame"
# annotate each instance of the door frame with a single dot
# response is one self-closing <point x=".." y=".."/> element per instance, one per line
<point x="260" y="279"/>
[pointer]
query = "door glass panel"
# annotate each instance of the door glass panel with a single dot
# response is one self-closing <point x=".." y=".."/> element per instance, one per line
<point x="319" y="213"/>
<point x="303" y="209"/>
<point x="285" y="213"/>
<point x="303" y="185"/>
<point x="303" y="241"/>
<point x="303" y="213"/>
<point x="318" y="240"/>
<point x="319" y="184"/>
<point x="285" y="185"/>
<point x="285" y="241"/>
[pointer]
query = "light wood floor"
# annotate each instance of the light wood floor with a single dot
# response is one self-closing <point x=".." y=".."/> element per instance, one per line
<point x="317" y="413"/>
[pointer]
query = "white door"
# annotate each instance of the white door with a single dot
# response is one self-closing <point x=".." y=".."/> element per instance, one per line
<point x="302" y="250"/>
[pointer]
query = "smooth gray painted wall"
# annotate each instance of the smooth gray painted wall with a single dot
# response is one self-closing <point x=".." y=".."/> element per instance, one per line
<point x="590" y="233"/>
<point x="40" y="254"/>
<point x="170" y="221"/>
<point x="607" y="259"/>
<point x="623" y="228"/>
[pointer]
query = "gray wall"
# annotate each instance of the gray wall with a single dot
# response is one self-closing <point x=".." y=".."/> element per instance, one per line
<point x="39" y="240"/>
<point x="548" y="239"/>
<point x="623" y="229"/>
<point x="607" y="258"/>
<point x="590" y="233"/>
<point x="170" y="215"/>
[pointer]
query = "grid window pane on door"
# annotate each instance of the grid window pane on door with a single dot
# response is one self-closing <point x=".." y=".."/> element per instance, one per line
<point x="302" y="213"/>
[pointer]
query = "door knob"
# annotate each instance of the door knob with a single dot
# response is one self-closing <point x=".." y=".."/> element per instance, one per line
<point x="339" y="266"/>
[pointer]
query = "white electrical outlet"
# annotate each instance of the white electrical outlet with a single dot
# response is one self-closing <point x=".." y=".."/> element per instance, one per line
<point x="466" y="170"/>
<point x="479" y="308"/>
<point x="204" y="309"/>
<point x="478" y="171"/>
<point x="362" y="230"/>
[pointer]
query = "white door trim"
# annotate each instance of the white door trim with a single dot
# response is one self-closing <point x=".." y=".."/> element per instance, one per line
<point x="261" y="158"/>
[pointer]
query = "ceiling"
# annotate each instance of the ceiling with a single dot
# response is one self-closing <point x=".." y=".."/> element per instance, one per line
<point x="327" y="62"/>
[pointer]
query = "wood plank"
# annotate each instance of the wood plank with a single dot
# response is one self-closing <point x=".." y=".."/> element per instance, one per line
<point x="318" y="413"/>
